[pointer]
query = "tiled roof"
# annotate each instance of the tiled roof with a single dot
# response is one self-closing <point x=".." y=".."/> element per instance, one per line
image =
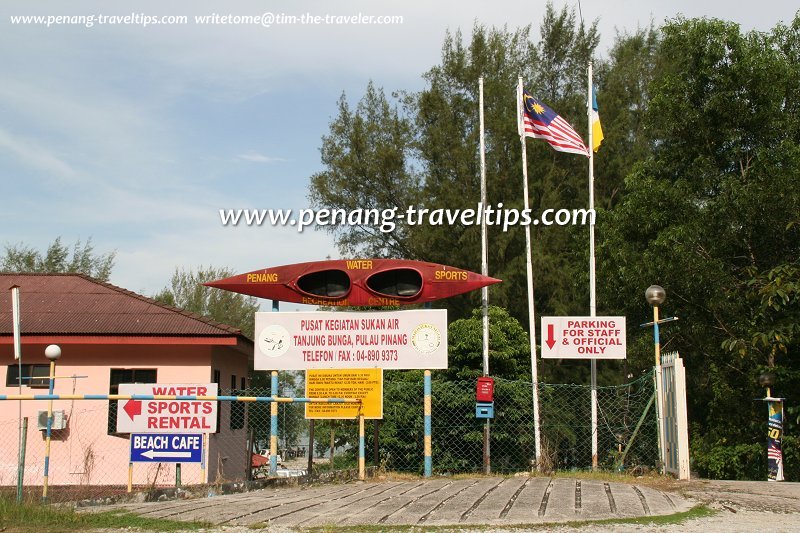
<point x="75" y="304"/>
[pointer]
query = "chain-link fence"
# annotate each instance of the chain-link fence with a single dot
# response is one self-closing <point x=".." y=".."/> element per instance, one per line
<point x="627" y="426"/>
<point x="565" y="425"/>
<point x="88" y="460"/>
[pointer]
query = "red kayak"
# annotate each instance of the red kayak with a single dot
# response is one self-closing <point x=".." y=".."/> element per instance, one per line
<point x="356" y="282"/>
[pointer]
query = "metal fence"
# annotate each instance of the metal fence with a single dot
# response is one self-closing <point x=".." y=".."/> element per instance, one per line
<point x="565" y="421"/>
<point x="90" y="463"/>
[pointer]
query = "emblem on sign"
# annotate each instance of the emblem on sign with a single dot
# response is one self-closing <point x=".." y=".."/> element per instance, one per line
<point x="426" y="338"/>
<point x="274" y="340"/>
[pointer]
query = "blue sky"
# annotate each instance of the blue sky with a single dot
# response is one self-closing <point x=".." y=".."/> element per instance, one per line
<point x="136" y="136"/>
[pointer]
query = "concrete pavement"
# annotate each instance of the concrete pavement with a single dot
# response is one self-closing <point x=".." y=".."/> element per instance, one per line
<point x="491" y="501"/>
<point x="777" y="497"/>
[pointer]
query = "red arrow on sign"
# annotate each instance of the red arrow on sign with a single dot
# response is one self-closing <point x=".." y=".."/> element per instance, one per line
<point x="550" y="340"/>
<point x="133" y="408"/>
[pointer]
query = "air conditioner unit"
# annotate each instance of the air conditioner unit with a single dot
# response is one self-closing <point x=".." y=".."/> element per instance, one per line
<point x="59" y="420"/>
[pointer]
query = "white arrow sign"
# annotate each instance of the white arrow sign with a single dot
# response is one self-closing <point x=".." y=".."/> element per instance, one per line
<point x="152" y="454"/>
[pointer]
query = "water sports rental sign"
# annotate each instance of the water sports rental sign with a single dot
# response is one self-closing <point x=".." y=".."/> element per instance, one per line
<point x="166" y="448"/>
<point x="368" y="339"/>
<point x="160" y="416"/>
<point x="583" y="337"/>
<point x="365" y="384"/>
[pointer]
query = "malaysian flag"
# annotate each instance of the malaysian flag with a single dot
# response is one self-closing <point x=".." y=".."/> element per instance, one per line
<point x="541" y="122"/>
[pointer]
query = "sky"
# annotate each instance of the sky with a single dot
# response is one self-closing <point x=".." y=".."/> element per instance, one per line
<point x="136" y="136"/>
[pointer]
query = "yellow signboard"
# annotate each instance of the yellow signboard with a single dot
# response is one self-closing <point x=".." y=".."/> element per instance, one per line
<point x="365" y="384"/>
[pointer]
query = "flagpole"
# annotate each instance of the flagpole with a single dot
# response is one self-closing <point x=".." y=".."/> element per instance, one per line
<point x="484" y="290"/>
<point x="529" y="265"/>
<point x="17" y="332"/>
<point x="592" y="288"/>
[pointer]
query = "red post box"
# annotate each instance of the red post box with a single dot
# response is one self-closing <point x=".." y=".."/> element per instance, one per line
<point x="485" y="390"/>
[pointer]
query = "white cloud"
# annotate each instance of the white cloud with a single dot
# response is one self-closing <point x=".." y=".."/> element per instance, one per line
<point x="259" y="158"/>
<point x="149" y="265"/>
<point x="30" y="153"/>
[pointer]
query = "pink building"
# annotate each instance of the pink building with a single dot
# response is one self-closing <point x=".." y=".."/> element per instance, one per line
<point x="109" y="336"/>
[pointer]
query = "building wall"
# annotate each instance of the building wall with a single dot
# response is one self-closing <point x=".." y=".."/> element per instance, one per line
<point x="84" y="453"/>
<point x="229" y="458"/>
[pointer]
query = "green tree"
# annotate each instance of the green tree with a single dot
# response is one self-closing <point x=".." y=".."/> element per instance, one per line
<point x="711" y="215"/>
<point x="509" y="347"/>
<point x="58" y="258"/>
<point x="422" y="150"/>
<point x="367" y="167"/>
<point x="186" y="290"/>
<point x="622" y="93"/>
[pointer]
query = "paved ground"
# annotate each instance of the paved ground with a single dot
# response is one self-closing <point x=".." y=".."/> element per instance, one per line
<point x="745" y="495"/>
<point x="483" y="501"/>
<point x="741" y="507"/>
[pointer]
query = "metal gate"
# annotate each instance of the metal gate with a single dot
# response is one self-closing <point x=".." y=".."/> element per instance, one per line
<point x="674" y="430"/>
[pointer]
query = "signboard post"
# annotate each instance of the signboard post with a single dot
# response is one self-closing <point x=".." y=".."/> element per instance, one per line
<point x="175" y="416"/>
<point x="583" y="337"/>
<point x="166" y="448"/>
<point x="355" y="340"/>
<point x="374" y="339"/>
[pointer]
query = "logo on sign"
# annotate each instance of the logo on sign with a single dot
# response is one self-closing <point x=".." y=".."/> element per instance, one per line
<point x="426" y="338"/>
<point x="274" y="340"/>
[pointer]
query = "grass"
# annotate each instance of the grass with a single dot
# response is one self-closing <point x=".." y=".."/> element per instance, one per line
<point x="699" y="511"/>
<point x="34" y="517"/>
<point x="339" y="463"/>
<point x="652" y="479"/>
<point x="396" y="476"/>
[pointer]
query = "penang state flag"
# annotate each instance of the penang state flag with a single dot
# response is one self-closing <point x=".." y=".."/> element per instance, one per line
<point x="597" y="129"/>
<point x="541" y="122"/>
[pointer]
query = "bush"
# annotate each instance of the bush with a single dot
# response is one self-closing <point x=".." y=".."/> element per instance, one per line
<point x="744" y="461"/>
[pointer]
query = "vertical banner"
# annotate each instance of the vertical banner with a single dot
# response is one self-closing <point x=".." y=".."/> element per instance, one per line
<point x="774" y="436"/>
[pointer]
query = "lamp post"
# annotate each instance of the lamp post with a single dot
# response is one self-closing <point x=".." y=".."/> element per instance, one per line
<point x="767" y="380"/>
<point x="774" y="429"/>
<point x="655" y="296"/>
<point x="52" y="352"/>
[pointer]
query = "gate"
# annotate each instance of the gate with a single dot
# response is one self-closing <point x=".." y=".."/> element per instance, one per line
<point x="674" y="424"/>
